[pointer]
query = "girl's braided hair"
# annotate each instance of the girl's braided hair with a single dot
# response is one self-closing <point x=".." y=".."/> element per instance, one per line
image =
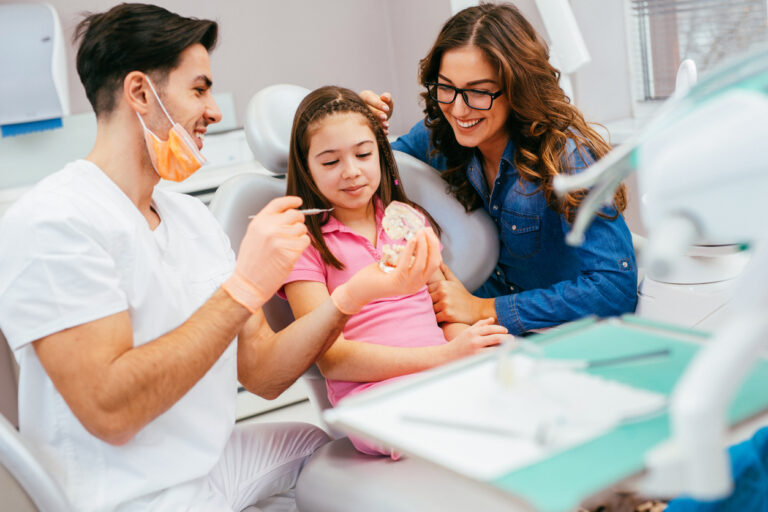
<point x="317" y="106"/>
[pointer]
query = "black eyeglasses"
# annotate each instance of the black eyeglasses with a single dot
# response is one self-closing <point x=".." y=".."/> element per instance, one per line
<point x="478" y="100"/>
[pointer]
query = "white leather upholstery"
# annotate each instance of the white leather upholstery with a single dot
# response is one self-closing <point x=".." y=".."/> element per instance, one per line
<point x="337" y="478"/>
<point x="8" y="387"/>
<point x="25" y="485"/>
<point x="470" y="240"/>
<point x="268" y="124"/>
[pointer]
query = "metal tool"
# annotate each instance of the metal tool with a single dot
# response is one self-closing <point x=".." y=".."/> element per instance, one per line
<point x="307" y="211"/>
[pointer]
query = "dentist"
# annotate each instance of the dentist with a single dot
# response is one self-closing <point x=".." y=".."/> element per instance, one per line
<point x="121" y="300"/>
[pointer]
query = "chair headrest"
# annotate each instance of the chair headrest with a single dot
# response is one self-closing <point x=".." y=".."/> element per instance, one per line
<point x="268" y="121"/>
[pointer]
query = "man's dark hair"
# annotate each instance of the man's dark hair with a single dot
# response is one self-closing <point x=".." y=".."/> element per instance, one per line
<point x="133" y="37"/>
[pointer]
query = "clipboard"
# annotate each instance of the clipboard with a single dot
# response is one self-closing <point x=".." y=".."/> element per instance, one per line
<point x="562" y="479"/>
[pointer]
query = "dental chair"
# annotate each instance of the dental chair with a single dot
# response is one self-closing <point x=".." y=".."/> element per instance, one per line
<point x="337" y="478"/>
<point x="25" y="485"/>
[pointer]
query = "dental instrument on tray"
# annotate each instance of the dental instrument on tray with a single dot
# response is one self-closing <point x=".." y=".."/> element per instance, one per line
<point x="510" y="365"/>
<point x="629" y="358"/>
<point x="541" y="435"/>
<point x="522" y="346"/>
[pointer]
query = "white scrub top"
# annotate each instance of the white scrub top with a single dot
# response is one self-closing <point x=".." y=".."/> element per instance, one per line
<point x="76" y="249"/>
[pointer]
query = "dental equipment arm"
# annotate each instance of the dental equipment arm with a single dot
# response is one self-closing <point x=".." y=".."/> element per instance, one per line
<point x="604" y="175"/>
<point x="702" y="396"/>
<point x="703" y="179"/>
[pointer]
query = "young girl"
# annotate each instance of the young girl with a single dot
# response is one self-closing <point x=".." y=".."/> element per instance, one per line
<point x="340" y="159"/>
<point x="501" y="128"/>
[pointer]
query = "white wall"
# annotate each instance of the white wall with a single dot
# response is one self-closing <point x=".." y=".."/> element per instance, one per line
<point x="414" y="28"/>
<point x="354" y="43"/>
<point x="603" y="87"/>
<point x="363" y="44"/>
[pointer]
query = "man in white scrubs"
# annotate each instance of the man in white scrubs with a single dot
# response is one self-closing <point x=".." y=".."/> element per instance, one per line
<point x="121" y="301"/>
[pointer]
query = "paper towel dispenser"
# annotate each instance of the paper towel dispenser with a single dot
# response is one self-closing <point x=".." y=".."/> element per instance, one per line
<point x="33" y="82"/>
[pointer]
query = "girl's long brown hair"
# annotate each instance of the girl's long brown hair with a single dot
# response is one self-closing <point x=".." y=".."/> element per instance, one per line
<point x="541" y="118"/>
<point x="316" y="106"/>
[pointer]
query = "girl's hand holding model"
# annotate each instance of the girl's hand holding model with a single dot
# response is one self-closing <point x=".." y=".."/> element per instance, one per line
<point x="418" y="261"/>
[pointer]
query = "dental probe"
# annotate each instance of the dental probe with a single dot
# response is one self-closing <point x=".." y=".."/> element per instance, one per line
<point x="307" y="211"/>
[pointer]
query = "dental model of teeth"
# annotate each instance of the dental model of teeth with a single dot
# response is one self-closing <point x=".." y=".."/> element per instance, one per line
<point x="400" y="222"/>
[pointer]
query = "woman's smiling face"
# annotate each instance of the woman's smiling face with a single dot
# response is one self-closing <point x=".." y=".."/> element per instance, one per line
<point x="468" y="68"/>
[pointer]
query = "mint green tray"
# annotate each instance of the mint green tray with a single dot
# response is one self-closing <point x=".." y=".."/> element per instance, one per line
<point x="562" y="481"/>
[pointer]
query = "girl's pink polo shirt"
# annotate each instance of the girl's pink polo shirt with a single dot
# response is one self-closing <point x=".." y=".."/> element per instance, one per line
<point x="402" y="321"/>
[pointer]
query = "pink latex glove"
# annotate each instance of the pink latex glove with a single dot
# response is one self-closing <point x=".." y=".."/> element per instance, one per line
<point x="273" y="242"/>
<point x="371" y="283"/>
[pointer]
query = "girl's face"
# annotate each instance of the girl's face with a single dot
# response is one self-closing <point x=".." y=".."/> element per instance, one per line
<point x="468" y="68"/>
<point x="343" y="159"/>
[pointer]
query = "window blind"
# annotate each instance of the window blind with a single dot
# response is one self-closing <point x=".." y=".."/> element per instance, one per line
<point x="665" y="32"/>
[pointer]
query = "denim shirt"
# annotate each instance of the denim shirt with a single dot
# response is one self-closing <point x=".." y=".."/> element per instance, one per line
<point x="539" y="281"/>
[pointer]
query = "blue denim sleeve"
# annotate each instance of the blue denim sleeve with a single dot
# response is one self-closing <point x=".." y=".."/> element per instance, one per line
<point x="417" y="144"/>
<point x="606" y="284"/>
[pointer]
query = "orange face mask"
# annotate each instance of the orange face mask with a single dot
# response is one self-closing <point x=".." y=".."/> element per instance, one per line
<point x="176" y="158"/>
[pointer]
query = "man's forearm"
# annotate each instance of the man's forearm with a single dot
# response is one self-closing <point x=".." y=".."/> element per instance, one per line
<point x="145" y="381"/>
<point x="268" y="363"/>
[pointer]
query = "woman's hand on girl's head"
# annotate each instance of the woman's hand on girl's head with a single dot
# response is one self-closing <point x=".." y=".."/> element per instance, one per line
<point x="381" y="105"/>
<point x="479" y="336"/>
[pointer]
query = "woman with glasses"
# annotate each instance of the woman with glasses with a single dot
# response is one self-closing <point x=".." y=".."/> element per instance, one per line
<point x="500" y="128"/>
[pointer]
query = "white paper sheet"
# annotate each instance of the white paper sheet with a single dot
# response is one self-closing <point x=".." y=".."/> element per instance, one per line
<point x="467" y="421"/>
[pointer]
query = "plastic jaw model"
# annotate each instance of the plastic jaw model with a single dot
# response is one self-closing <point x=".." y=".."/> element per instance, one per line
<point x="400" y="222"/>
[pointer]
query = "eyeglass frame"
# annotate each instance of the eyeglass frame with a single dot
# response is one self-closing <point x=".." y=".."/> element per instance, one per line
<point x="457" y="90"/>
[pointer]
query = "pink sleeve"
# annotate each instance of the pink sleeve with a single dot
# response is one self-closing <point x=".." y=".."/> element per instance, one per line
<point x="309" y="267"/>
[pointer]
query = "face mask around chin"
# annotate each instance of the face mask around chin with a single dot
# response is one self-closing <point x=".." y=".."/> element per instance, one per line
<point x="176" y="158"/>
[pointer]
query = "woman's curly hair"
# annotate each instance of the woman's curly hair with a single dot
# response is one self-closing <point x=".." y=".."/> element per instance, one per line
<point x="541" y="118"/>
